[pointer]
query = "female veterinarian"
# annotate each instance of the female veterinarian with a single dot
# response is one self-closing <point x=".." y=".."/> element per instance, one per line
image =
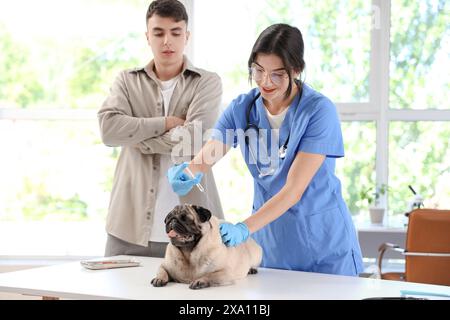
<point x="290" y="137"/>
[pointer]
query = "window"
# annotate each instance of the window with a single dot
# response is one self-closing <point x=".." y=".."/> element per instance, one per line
<point x="55" y="171"/>
<point x="419" y="121"/>
<point x="336" y="35"/>
<point x="337" y="55"/>
<point x="387" y="74"/>
<point x="384" y="72"/>
<point x="64" y="58"/>
<point x="420" y="47"/>
<point x="56" y="67"/>
<point x="357" y="168"/>
<point x="419" y="155"/>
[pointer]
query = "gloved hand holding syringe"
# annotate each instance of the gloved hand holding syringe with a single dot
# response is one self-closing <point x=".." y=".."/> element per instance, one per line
<point x="199" y="186"/>
<point x="183" y="180"/>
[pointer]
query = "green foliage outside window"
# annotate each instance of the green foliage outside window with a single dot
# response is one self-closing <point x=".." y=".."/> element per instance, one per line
<point x="420" y="44"/>
<point x="80" y="78"/>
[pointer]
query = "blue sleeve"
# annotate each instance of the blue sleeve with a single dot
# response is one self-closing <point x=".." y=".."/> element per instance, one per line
<point x="225" y="128"/>
<point x="323" y="133"/>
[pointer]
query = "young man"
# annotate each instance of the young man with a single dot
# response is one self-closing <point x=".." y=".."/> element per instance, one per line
<point x="144" y="114"/>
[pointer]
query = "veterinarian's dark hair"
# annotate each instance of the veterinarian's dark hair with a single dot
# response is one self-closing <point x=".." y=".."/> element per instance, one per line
<point x="167" y="9"/>
<point x="284" y="41"/>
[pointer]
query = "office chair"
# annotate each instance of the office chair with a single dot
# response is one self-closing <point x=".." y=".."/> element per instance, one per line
<point x="427" y="250"/>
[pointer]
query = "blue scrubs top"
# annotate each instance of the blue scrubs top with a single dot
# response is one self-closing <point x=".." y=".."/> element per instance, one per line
<point x="317" y="234"/>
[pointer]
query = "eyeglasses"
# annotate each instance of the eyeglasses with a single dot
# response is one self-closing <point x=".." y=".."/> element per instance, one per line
<point x="276" y="77"/>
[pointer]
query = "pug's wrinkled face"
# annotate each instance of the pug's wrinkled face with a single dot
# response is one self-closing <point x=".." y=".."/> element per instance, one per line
<point x="183" y="225"/>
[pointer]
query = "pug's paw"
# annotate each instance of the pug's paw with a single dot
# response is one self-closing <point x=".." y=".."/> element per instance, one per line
<point x="156" y="282"/>
<point x="199" y="284"/>
<point x="252" y="271"/>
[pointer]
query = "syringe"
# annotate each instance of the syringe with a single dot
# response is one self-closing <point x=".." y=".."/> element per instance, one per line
<point x="199" y="186"/>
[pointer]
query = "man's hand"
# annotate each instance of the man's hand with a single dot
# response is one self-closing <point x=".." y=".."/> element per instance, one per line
<point x="172" y="122"/>
<point x="233" y="234"/>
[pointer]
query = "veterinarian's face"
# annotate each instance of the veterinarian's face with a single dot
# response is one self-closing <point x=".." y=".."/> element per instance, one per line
<point x="272" y="78"/>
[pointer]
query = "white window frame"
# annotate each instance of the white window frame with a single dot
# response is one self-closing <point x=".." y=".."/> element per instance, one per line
<point x="378" y="108"/>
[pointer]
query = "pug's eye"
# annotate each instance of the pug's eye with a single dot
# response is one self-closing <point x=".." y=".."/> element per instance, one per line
<point x="183" y="217"/>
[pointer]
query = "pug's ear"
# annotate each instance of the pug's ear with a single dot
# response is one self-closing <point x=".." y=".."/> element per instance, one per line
<point x="203" y="214"/>
<point x="167" y="217"/>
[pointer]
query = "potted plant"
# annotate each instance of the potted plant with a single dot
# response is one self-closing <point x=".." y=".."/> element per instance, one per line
<point x="372" y="196"/>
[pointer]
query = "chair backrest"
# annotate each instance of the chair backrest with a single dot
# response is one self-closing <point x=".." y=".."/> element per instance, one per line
<point x="428" y="231"/>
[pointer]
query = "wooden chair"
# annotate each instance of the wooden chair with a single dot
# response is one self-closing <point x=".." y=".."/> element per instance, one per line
<point x="427" y="250"/>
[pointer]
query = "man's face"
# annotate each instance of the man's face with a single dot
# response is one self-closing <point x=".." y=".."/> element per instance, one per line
<point x="167" y="39"/>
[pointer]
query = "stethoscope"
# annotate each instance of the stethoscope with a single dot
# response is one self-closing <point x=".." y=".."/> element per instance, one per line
<point x="281" y="151"/>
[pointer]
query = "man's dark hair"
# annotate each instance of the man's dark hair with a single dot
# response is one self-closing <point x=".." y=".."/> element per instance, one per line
<point x="284" y="41"/>
<point x="167" y="9"/>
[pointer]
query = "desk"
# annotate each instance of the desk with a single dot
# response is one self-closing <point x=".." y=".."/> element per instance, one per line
<point x="71" y="280"/>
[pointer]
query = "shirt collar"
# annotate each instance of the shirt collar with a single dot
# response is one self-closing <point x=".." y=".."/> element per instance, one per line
<point x="187" y="68"/>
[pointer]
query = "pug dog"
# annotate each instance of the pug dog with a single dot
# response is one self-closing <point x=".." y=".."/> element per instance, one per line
<point x="196" y="254"/>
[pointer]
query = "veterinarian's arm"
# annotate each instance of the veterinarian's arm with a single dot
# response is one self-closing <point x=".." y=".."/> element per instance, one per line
<point x="212" y="152"/>
<point x="300" y="174"/>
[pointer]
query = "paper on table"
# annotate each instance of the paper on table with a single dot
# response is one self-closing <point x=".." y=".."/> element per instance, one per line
<point x="109" y="264"/>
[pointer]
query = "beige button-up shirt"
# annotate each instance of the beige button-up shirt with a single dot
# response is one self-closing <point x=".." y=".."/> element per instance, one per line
<point x="132" y="117"/>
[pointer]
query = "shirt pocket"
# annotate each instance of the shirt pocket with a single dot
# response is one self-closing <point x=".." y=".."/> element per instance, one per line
<point x="327" y="233"/>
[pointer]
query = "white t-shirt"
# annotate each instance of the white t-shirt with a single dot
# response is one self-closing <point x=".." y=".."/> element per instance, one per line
<point x="275" y="121"/>
<point x="166" y="199"/>
<point x="167" y="88"/>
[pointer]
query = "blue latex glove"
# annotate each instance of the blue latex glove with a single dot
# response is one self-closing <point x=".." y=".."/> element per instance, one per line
<point x="233" y="234"/>
<point x="180" y="181"/>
